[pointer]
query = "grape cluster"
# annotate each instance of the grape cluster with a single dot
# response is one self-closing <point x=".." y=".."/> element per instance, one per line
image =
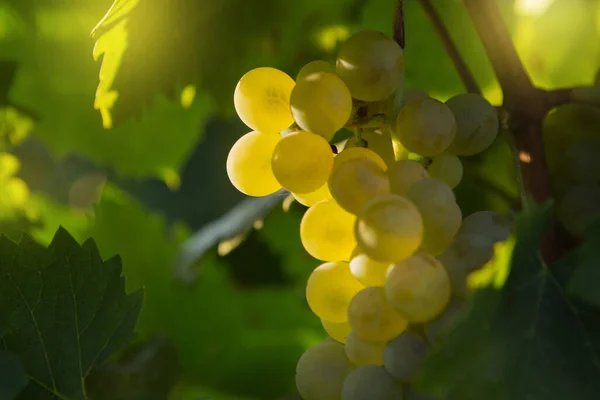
<point x="382" y="213"/>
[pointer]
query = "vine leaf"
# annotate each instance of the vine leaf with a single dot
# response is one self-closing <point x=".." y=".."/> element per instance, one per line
<point x="64" y="311"/>
<point x="13" y="377"/>
<point x="527" y="340"/>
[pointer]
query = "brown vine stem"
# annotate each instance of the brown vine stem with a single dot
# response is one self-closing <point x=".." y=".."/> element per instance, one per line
<point x="461" y="66"/>
<point x="399" y="32"/>
<point x="580" y="94"/>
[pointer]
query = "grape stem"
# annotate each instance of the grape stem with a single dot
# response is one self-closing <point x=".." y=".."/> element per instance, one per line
<point x="399" y="34"/>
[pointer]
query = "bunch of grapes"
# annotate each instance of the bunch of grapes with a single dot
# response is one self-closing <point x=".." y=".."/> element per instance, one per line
<point x="382" y="213"/>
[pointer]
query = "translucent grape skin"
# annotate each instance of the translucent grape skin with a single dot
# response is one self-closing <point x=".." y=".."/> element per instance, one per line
<point x="302" y="162"/>
<point x="490" y="224"/>
<point x="368" y="271"/>
<point x="249" y="164"/>
<point x="262" y="99"/>
<point x="404" y="355"/>
<point x="418" y="288"/>
<point x="357" y="153"/>
<point x="362" y="352"/>
<point x="321" y="104"/>
<point x="370" y="382"/>
<point x="315" y="66"/>
<point x="312" y="198"/>
<point x="476" y="124"/>
<point x="372" y="317"/>
<point x="446" y="167"/>
<point x="379" y="142"/>
<point x="329" y="291"/>
<point x="579" y="206"/>
<point x="355" y="182"/>
<point x="403" y="174"/>
<point x="338" y="331"/>
<point x="372" y="65"/>
<point x="327" y="231"/>
<point x="322" y="370"/>
<point x="425" y="126"/>
<point x="436" y="330"/>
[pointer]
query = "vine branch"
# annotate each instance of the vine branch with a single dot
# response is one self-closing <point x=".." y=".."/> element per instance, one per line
<point x="399" y="32"/>
<point x="580" y="94"/>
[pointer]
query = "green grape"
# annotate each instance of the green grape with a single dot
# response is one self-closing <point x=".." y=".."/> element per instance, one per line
<point x="403" y="356"/>
<point x="418" y="288"/>
<point x="330" y="289"/>
<point x="362" y="352"/>
<point x="321" y="104"/>
<point x="355" y="182"/>
<point x="373" y="318"/>
<point x="302" y="162"/>
<point x="354" y="153"/>
<point x="492" y="225"/>
<point x="389" y="228"/>
<point x="338" y="331"/>
<point x="371" y="64"/>
<point x="476" y="124"/>
<point x="249" y="164"/>
<point x="446" y="167"/>
<point x="368" y="271"/>
<point x="378" y="141"/>
<point x="315" y="66"/>
<point x="466" y="253"/>
<point x="403" y="174"/>
<point x="438" y="329"/>
<point x="321" y="371"/>
<point x="425" y="126"/>
<point x="326" y="231"/>
<point x="400" y="98"/>
<point x="579" y="207"/>
<point x="370" y="382"/>
<point x="262" y="99"/>
<point x="581" y="161"/>
<point x="312" y="198"/>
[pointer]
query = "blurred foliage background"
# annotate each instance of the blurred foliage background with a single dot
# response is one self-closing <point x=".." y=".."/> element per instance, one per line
<point x="123" y="137"/>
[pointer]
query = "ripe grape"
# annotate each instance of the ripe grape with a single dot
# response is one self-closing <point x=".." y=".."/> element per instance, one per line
<point x="312" y="198"/>
<point x="579" y="207"/>
<point x="370" y="382"/>
<point x="476" y="124"/>
<point x="355" y="182"/>
<point x="418" y="288"/>
<point x="448" y="168"/>
<point x="389" y="228"/>
<point x="330" y="289"/>
<point x="368" y="271"/>
<point x="581" y="160"/>
<point x="337" y="330"/>
<point x="490" y="224"/>
<point x="425" y="126"/>
<point x="403" y="356"/>
<point x="466" y="253"/>
<point x="326" y="231"/>
<point x="315" y="66"/>
<point x="378" y="141"/>
<point x="302" y="162"/>
<point x="249" y="164"/>
<point x="362" y="352"/>
<point x="372" y="317"/>
<point x="355" y="153"/>
<point x="321" y="371"/>
<point x="262" y="99"/>
<point x="403" y="174"/>
<point x="321" y="104"/>
<point x="437" y="329"/>
<point x="372" y="65"/>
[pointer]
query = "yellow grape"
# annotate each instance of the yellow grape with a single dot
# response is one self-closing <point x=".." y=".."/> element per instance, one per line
<point x="337" y="330"/>
<point x="373" y="318"/>
<point x="321" y="371"/>
<point x="368" y="271"/>
<point x="425" y="126"/>
<point x="448" y="168"/>
<point x="330" y="289"/>
<point x="354" y="153"/>
<point x="372" y="65"/>
<point x="355" y="182"/>
<point x="418" y="288"/>
<point x="378" y="141"/>
<point x="326" y="231"/>
<point x="490" y="224"/>
<point x="315" y="66"/>
<point x="370" y="382"/>
<point x="249" y="164"/>
<point x="321" y="104"/>
<point x="302" y="162"/>
<point x="403" y="173"/>
<point x="389" y="228"/>
<point x="262" y="99"/>
<point x="312" y="198"/>
<point x="362" y="352"/>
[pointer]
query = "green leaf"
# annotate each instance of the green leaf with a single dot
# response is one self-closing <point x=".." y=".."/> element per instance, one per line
<point x="585" y="280"/>
<point x="64" y="312"/>
<point x="528" y="340"/>
<point x="13" y="377"/>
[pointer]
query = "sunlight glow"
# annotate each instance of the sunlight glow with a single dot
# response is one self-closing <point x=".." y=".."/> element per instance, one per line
<point x="531" y="7"/>
<point x="328" y="37"/>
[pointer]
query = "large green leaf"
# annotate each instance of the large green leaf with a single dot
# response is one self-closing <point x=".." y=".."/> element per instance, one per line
<point x="13" y="377"/>
<point x="527" y="340"/>
<point x="64" y="312"/>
